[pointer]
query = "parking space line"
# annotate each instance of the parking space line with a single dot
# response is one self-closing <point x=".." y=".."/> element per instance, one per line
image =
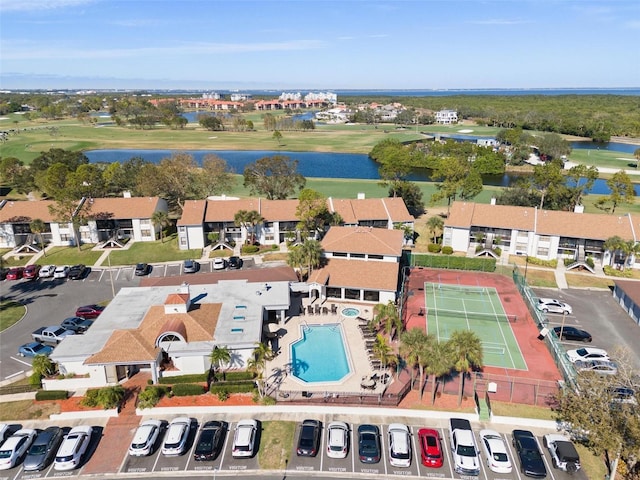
<point x="514" y="458"/>
<point x="415" y="450"/>
<point x="445" y="446"/>
<point x="353" y="450"/>
<point x="20" y="361"/>
<point x="14" y="374"/>
<point x="159" y="453"/>
<point x="544" y="459"/>
<point x="101" y="274"/>
<point x="382" y="455"/>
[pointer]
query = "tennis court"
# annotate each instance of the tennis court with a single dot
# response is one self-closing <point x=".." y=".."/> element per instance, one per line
<point x="479" y="309"/>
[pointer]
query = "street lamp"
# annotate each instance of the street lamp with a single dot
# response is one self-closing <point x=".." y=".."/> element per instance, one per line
<point x="526" y="266"/>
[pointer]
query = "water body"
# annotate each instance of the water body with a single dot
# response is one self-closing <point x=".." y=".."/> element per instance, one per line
<point x="311" y="164"/>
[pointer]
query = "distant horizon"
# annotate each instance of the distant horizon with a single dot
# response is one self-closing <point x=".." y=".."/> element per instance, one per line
<point x="348" y="44"/>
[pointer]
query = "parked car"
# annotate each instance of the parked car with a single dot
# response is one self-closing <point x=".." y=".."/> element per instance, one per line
<point x="43" y="449"/>
<point x="31" y="272"/>
<point x="78" y="272"/>
<point x="3" y="273"/>
<point x="399" y="445"/>
<point x="5" y="432"/>
<point x="15" y="273"/>
<point x="175" y="441"/>
<point x="142" y="269"/>
<point x="601" y="367"/>
<point x="190" y="266"/>
<point x="210" y="441"/>
<point x="244" y="439"/>
<point x="34" y="348"/>
<point x="430" y="448"/>
<point x="337" y="440"/>
<point x="145" y="438"/>
<point x="564" y="455"/>
<point x="495" y="451"/>
<point x="15" y="447"/>
<point x="621" y="395"/>
<point x="73" y="448"/>
<point x="587" y="353"/>
<point x="531" y="462"/>
<point x="89" y="311"/>
<point x="572" y="333"/>
<point x="369" y="443"/>
<point x="46" y="271"/>
<point x="76" y="324"/>
<point x="219" y="264"/>
<point x="234" y="263"/>
<point x="551" y="305"/>
<point x="61" y="271"/>
<point x="309" y="439"/>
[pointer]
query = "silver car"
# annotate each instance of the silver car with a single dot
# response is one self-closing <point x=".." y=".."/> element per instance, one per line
<point x="552" y="305"/>
<point x="43" y="449"/>
<point x="175" y="442"/>
<point x="601" y="367"/>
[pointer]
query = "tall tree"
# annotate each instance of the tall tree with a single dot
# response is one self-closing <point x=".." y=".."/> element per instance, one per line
<point x="311" y="251"/>
<point x="552" y="146"/>
<point x="38" y="227"/>
<point x="622" y="191"/>
<point x="387" y="318"/>
<point x="437" y="362"/>
<point x="547" y="178"/>
<point x="249" y="220"/>
<point x="581" y="179"/>
<point x="215" y="177"/>
<point x="220" y="356"/>
<point x="383" y="351"/>
<point x="275" y="177"/>
<point x="411" y="193"/>
<point x="466" y="352"/>
<point x="457" y="179"/>
<point x="412" y="348"/>
<point x="257" y="364"/>
<point x="277" y="136"/>
<point x="160" y="219"/>
<point x="312" y="210"/>
<point x="71" y="211"/>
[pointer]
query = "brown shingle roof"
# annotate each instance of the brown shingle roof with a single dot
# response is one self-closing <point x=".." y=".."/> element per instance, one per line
<point x="225" y="210"/>
<point x="397" y="210"/>
<point x="358" y="274"/>
<point x="125" y="346"/>
<point x="25" y="211"/>
<point x="124" y="208"/>
<point x="279" y="210"/>
<point x="596" y="226"/>
<point x="630" y="288"/>
<point x="496" y="216"/>
<point x="193" y="212"/>
<point x="374" y="241"/>
<point x="177" y="299"/>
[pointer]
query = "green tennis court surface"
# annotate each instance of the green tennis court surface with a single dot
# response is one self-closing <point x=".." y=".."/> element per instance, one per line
<point x="479" y="309"/>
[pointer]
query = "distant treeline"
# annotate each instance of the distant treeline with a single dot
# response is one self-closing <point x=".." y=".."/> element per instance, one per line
<point x="595" y="116"/>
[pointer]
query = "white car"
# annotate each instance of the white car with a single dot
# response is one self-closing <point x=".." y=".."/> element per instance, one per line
<point x="61" y="271"/>
<point x="219" y="264"/>
<point x="74" y="446"/>
<point x="145" y="438"/>
<point x="4" y="432"/>
<point x="15" y="447"/>
<point x="601" y="367"/>
<point x="175" y="442"/>
<point x="587" y="353"/>
<point x="552" y="305"/>
<point x="399" y="445"/>
<point x="564" y="455"/>
<point x="46" y="271"/>
<point x="244" y="439"/>
<point x="495" y="451"/>
<point x="337" y="440"/>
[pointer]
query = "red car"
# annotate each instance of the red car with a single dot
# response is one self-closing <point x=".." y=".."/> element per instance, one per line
<point x="31" y="271"/>
<point x="89" y="311"/>
<point x="15" y="273"/>
<point x="430" y="448"/>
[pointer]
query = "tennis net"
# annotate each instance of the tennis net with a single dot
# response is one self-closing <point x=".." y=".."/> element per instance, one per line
<point x="497" y="317"/>
<point x="455" y="288"/>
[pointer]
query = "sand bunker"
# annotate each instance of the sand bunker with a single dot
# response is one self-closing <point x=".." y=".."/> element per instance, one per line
<point x="466" y="130"/>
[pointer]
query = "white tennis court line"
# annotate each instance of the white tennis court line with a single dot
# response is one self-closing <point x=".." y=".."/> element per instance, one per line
<point x="513" y="364"/>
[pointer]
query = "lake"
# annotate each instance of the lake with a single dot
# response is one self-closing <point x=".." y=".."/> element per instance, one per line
<point x="311" y="164"/>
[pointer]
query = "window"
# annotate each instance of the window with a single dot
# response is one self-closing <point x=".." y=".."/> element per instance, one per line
<point x="339" y="254"/>
<point x="542" y="252"/>
<point x="544" y="238"/>
<point x="334" y="292"/>
<point x="357" y="255"/>
<point x="145" y="233"/>
<point x="65" y="237"/>
<point x="237" y="330"/>
<point x="376" y="257"/>
<point x="183" y="241"/>
<point x="268" y="237"/>
<point x="351" y="294"/>
<point x="371" y="296"/>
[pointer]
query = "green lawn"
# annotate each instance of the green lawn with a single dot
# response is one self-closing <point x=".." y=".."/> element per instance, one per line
<point x="152" y="252"/>
<point x="71" y="256"/>
<point x="276" y="442"/>
<point x="10" y="313"/>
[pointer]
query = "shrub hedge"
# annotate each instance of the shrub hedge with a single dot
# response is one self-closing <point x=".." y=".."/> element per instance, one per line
<point x="52" y="395"/>
<point x="244" y="387"/>
<point x="235" y="376"/>
<point x="186" y="389"/>
<point x="249" y="249"/>
<point x="192" y="378"/>
<point x="447" y="250"/>
<point x="434" y="247"/>
<point x="455" y="263"/>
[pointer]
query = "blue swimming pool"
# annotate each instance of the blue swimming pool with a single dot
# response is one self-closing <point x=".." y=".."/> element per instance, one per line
<point x="320" y="355"/>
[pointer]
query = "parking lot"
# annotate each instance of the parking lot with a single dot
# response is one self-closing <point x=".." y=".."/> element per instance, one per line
<point x="49" y="301"/>
<point x="597" y="312"/>
<point x="320" y="465"/>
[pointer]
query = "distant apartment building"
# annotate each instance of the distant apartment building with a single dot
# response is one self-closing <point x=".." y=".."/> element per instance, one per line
<point x="240" y="97"/>
<point x="447" y="117"/>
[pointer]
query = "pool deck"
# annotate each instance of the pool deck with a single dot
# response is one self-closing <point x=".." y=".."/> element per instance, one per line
<point x="279" y="378"/>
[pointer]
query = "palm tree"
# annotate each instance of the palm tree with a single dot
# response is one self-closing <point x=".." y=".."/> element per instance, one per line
<point x="248" y="219"/>
<point x="256" y="364"/>
<point x="42" y="365"/>
<point x="466" y="353"/>
<point x="629" y="249"/>
<point x="386" y="315"/>
<point x="220" y="355"/>
<point x="295" y="260"/>
<point x="383" y="351"/>
<point x="435" y="225"/>
<point x="311" y="252"/>
<point x="38" y="227"/>
<point x="160" y="219"/>
<point x="613" y="244"/>
<point x="412" y="346"/>
<point x="437" y="363"/>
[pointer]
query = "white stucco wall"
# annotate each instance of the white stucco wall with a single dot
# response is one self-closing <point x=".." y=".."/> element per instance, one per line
<point x="194" y="235"/>
<point x="7" y="239"/>
<point x="459" y="238"/>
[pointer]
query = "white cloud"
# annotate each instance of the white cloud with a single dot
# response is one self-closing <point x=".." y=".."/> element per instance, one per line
<point x="23" y="52"/>
<point x="38" y="5"/>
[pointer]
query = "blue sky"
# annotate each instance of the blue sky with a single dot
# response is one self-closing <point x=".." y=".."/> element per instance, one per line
<point x="317" y="44"/>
